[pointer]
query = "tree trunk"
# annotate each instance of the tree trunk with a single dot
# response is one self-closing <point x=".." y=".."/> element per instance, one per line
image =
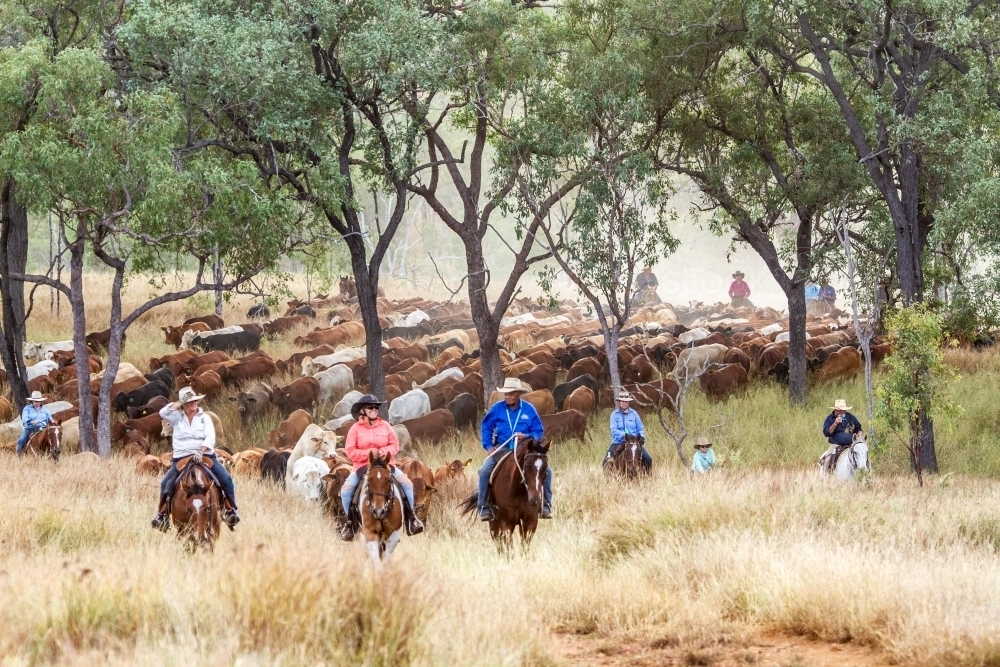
<point x="368" y="304"/>
<point x="217" y="276"/>
<point x="489" y="349"/>
<point x="104" y="396"/>
<point x="13" y="259"/>
<point x="796" y="345"/>
<point x="81" y="354"/>
<point x="928" y="455"/>
<point x="611" y="350"/>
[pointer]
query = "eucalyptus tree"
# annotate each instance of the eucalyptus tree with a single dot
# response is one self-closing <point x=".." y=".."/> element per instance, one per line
<point x="102" y="159"/>
<point x="309" y="93"/>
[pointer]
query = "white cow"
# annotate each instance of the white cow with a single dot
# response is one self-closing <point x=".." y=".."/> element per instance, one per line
<point x="457" y="334"/>
<point x="43" y="351"/>
<point x="334" y="382"/>
<point x="784" y="336"/>
<point x="691" y="336"/>
<point x="443" y="375"/>
<point x="517" y="319"/>
<point x="694" y="360"/>
<point x="307" y="477"/>
<point x="311" y="366"/>
<point x="771" y="328"/>
<point x="188" y="336"/>
<point x="414" y="403"/>
<point x="343" y="407"/>
<point x="39" y="369"/>
<point x="336" y="423"/>
<point x="126" y="371"/>
<point x="411" y="319"/>
<point x="314" y="442"/>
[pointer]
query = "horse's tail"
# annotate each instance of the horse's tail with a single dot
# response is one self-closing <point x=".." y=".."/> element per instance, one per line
<point x="469" y="504"/>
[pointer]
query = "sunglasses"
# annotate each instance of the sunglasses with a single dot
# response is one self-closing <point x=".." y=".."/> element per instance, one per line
<point x="370" y="407"/>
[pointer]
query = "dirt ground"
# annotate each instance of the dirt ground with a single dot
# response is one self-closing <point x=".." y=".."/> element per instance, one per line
<point x="763" y="651"/>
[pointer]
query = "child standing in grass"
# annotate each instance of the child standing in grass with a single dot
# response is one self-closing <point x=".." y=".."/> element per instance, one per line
<point x="704" y="457"/>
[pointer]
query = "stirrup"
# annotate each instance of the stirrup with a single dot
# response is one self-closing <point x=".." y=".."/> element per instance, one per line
<point x="230" y="517"/>
<point x="414" y="526"/>
<point x="486" y="514"/>
<point x="546" y="512"/>
<point x="161" y="522"/>
<point x="347" y="532"/>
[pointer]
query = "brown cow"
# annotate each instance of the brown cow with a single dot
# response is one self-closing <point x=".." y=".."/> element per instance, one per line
<point x="208" y="383"/>
<point x="543" y="401"/>
<point x="290" y="430"/>
<point x="423" y="484"/>
<point x="717" y="338"/>
<point x="68" y="358"/>
<point x="413" y="351"/>
<point x="6" y="410"/>
<point x="342" y="334"/>
<point x="247" y="462"/>
<point x="449" y="355"/>
<point x="718" y="382"/>
<point x="451" y="472"/>
<point x="174" y="334"/>
<point x="41" y="383"/>
<point x="582" y="400"/>
<point x="638" y="370"/>
<point x="843" y="364"/>
<point x="652" y="395"/>
<point x="421" y="372"/>
<point x="295" y="361"/>
<point x="540" y="377"/>
<point x="737" y="356"/>
<point x="541" y="356"/>
<point x="151" y="425"/>
<point x="213" y="320"/>
<point x="299" y="395"/>
<point x="399" y="366"/>
<point x="585" y="366"/>
<point x="123" y="386"/>
<point x="257" y="368"/>
<point x="565" y="425"/>
<point x="135" y="444"/>
<point x="191" y="364"/>
<point x="171" y="361"/>
<point x="431" y="428"/>
<point x="150" y="465"/>
<point x="283" y="324"/>
<point x="770" y="356"/>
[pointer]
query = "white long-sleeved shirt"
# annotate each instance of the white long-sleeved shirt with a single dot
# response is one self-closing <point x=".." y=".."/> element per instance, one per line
<point x="190" y="437"/>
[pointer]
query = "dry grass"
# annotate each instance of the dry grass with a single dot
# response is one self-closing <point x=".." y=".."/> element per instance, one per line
<point x="762" y="545"/>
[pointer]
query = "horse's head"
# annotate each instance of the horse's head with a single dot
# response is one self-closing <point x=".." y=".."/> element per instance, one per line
<point x="631" y="456"/>
<point x="859" y="451"/>
<point x="194" y="488"/>
<point x="53" y="437"/>
<point x="379" y="483"/>
<point x="534" y="466"/>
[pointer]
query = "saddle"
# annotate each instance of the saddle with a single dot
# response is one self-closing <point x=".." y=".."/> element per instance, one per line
<point x="490" y="501"/>
<point x="829" y="461"/>
<point x="183" y="463"/>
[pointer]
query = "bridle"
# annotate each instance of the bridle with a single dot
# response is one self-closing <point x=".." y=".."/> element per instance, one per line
<point x="390" y="496"/>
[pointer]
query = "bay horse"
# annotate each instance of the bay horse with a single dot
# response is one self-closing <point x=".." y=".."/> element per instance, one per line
<point x="517" y="492"/>
<point x="348" y="287"/>
<point x="47" y="441"/>
<point x="196" y="507"/>
<point x="626" y="459"/>
<point x="381" y="507"/>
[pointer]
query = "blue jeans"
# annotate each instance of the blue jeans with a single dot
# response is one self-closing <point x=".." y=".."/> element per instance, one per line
<point x="484" y="481"/>
<point x="219" y="470"/>
<point x="351" y="483"/>
<point x="647" y="460"/>
<point x="22" y="442"/>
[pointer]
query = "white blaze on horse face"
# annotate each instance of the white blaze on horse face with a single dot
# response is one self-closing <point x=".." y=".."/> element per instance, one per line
<point x="196" y="504"/>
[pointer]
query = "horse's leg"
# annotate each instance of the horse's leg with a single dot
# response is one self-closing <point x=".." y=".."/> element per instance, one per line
<point x="392" y="543"/>
<point x="373" y="547"/>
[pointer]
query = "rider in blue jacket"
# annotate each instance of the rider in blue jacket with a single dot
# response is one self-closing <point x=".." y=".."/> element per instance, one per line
<point x="504" y="423"/>
<point x="626" y="421"/>
<point x="34" y="418"/>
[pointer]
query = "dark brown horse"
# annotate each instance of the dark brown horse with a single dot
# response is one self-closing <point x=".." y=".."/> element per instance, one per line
<point x="47" y="441"/>
<point x="197" y="504"/>
<point x="381" y="509"/>
<point x="517" y="492"/>
<point x="348" y="287"/>
<point x="626" y="459"/>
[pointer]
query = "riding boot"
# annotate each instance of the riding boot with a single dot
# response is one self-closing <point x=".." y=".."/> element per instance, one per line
<point x="161" y="521"/>
<point x="347" y="531"/>
<point x="414" y="526"/>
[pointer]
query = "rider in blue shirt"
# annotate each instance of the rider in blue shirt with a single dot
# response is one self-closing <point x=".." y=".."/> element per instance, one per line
<point x="34" y="418"/>
<point x="626" y="421"/>
<point x="504" y="423"/>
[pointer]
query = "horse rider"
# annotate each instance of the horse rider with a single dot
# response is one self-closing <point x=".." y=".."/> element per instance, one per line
<point x="194" y="434"/>
<point x="704" y="457"/>
<point x="828" y="294"/>
<point x="34" y="418"/>
<point x="840" y="428"/>
<point x="504" y="425"/>
<point x="626" y="421"/>
<point x="646" y="280"/>
<point x="371" y="432"/>
<point x="739" y="292"/>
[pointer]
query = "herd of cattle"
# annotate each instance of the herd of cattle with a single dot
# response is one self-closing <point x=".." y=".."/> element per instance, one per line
<point x="433" y="381"/>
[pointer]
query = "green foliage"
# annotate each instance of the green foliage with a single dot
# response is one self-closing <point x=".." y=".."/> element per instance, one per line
<point x="916" y="378"/>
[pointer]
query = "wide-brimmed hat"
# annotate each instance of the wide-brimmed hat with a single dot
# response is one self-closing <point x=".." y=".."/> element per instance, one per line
<point x="648" y="267"/>
<point x="367" y="399"/>
<point x="703" y="442"/>
<point x="187" y="394"/>
<point x="36" y="397"/>
<point x="513" y="384"/>
<point x="624" y="396"/>
<point x="739" y="274"/>
<point x="841" y="404"/>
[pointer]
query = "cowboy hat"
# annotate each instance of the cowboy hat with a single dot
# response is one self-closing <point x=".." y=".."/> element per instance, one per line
<point x="739" y="274"/>
<point x="36" y="397"/>
<point x="624" y="396"/>
<point x="367" y="399"/>
<point x="648" y="267"/>
<point x="703" y="442"/>
<point x="187" y="395"/>
<point x="513" y="384"/>
<point x="841" y="404"/>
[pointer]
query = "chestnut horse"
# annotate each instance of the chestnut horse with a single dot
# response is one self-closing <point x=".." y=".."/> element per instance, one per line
<point x="196" y="507"/>
<point x="47" y="441"/>
<point x="381" y="509"/>
<point x="517" y="492"/>
<point x="626" y="459"/>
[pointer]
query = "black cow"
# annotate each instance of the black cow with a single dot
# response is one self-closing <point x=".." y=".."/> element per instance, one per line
<point x="273" y="465"/>
<point x="140" y="411"/>
<point x="434" y="349"/>
<point x="464" y="408"/>
<point x="564" y="389"/>
<point x="240" y="341"/>
<point x="306" y="310"/>
<point x="409" y="333"/>
<point x="253" y="402"/>
<point x="259" y="312"/>
<point x="164" y="375"/>
<point x="140" y="396"/>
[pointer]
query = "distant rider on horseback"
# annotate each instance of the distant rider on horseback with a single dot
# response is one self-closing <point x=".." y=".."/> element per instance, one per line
<point x="372" y="432"/>
<point x="194" y="434"/>
<point x="626" y="421"/>
<point x="34" y="418"/>
<point x="504" y="425"/>
<point x="840" y="428"/>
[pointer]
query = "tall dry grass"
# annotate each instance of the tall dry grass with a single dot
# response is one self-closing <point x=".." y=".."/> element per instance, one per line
<point x="762" y="545"/>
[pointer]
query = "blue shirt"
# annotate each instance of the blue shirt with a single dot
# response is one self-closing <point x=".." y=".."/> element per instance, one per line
<point x="703" y="462"/>
<point x="501" y="423"/>
<point x="625" y="423"/>
<point x="812" y="292"/>
<point x="844" y="433"/>
<point x="32" y="414"/>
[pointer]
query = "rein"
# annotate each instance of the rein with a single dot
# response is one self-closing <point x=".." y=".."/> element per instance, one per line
<point x="390" y="496"/>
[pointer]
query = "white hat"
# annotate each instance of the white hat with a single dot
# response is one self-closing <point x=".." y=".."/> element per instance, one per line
<point x="36" y="397"/>
<point x="841" y="404"/>
<point x="703" y="442"/>
<point x="624" y="396"/>
<point x="186" y="395"/>
<point x="513" y="384"/>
